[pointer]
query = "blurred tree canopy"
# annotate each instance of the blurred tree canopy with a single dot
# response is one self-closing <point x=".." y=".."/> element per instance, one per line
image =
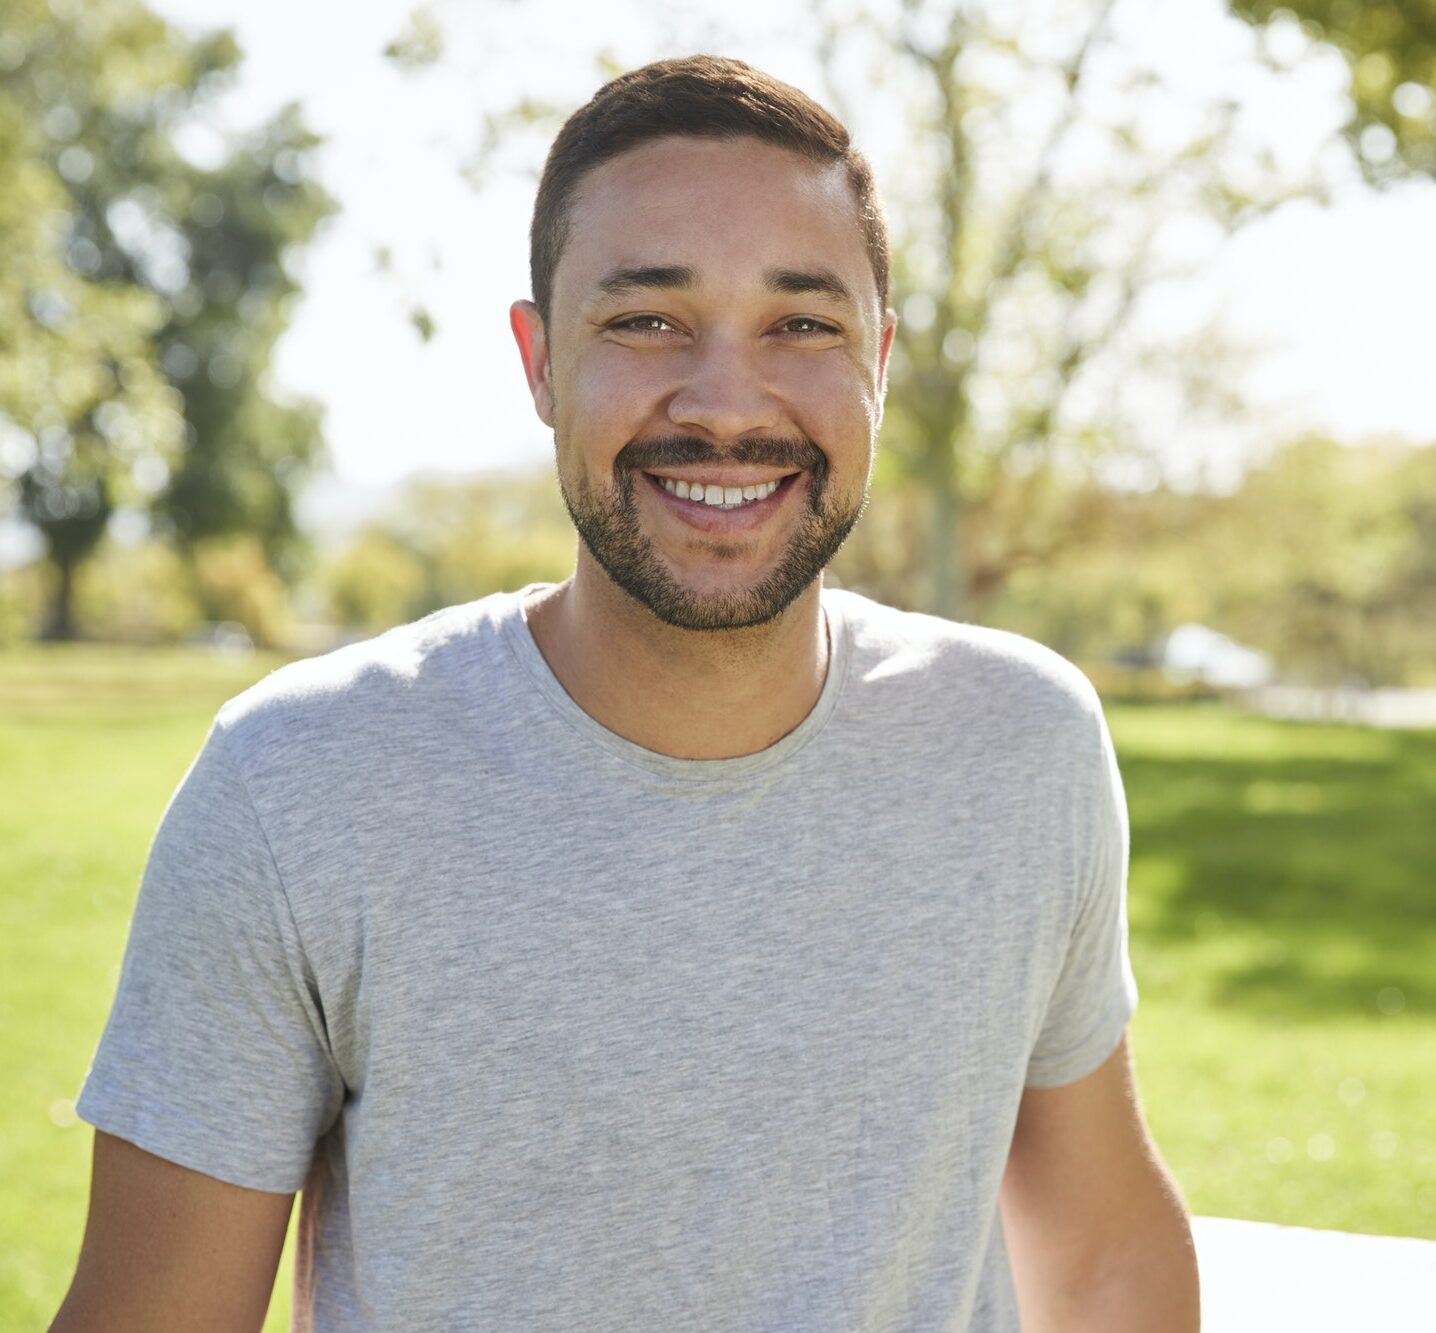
<point x="448" y="542"/>
<point x="1324" y="557"/>
<point x="1055" y="185"/>
<point x="141" y="295"/>
<point x="1391" y="51"/>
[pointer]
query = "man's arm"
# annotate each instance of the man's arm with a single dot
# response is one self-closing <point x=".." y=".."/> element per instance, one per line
<point x="169" y="1249"/>
<point x="1096" y="1228"/>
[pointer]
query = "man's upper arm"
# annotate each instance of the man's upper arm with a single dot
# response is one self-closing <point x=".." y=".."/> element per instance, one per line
<point x="167" y="1248"/>
<point x="1084" y="1180"/>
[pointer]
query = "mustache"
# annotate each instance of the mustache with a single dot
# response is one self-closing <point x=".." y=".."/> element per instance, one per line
<point x="681" y="450"/>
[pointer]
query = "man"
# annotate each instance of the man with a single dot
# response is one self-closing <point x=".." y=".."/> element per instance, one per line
<point x="682" y="946"/>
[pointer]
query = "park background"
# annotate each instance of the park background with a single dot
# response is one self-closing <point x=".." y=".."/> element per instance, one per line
<point x="1160" y="399"/>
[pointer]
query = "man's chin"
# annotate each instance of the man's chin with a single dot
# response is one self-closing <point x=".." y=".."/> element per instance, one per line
<point x="716" y="589"/>
<point x="731" y="607"/>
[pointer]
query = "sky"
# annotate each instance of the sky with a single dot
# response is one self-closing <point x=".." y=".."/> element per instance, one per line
<point x="1337" y="299"/>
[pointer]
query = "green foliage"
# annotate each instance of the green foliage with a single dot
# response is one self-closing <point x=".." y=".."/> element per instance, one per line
<point x="140" y="295"/>
<point x="151" y="592"/>
<point x="420" y="44"/>
<point x="24" y="593"/>
<point x="1391" y="51"/>
<point x="1016" y="269"/>
<point x="1324" y="557"/>
<point x="376" y="582"/>
<point x="881" y="557"/>
<point x="449" y="542"/>
<point x="140" y="593"/>
<point x="1021" y="542"/>
<point x="77" y="362"/>
<point x="247" y="452"/>
<point x="1329" y="553"/>
<point x="235" y="581"/>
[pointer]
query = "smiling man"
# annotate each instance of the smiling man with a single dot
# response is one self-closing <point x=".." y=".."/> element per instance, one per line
<point x="686" y="945"/>
<point x="695" y="362"/>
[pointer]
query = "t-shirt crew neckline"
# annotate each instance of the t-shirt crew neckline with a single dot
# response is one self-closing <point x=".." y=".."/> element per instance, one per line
<point x="514" y="626"/>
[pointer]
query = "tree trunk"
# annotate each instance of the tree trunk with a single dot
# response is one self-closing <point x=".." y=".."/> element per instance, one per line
<point x="59" y="621"/>
<point x="946" y="576"/>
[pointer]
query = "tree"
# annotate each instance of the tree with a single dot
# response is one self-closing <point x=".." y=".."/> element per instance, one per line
<point x="450" y="541"/>
<point x="1324" y="557"/>
<point x="1022" y="275"/>
<point x="77" y="361"/>
<point x="1327" y="549"/>
<point x="247" y="452"/>
<point x="1390" y="49"/>
<point x="146" y="292"/>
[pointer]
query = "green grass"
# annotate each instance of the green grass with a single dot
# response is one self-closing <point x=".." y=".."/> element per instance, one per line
<point x="1282" y="903"/>
<point x="1283" y="921"/>
<point x="92" y="742"/>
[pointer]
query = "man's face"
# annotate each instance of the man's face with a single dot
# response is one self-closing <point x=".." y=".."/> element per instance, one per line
<point x="713" y="373"/>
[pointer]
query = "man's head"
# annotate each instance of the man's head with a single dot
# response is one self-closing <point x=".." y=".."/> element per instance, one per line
<point x="710" y="273"/>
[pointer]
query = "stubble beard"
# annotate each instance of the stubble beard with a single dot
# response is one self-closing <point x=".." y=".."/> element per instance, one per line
<point x="610" y="529"/>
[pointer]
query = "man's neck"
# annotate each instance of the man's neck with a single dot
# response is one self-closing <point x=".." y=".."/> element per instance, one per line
<point x="691" y="694"/>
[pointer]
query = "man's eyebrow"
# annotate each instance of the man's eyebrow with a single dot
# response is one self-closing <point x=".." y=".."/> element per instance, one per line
<point x="790" y="281"/>
<point x="822" y="281"/>
<point x="625" y="281"/>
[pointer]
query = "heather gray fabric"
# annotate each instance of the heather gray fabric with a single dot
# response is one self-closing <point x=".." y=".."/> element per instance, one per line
<point x="558" y="1033"/>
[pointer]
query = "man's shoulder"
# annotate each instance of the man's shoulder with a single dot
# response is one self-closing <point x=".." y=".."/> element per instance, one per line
<point x="957" y="661"/>
<point x="370" y="682"/>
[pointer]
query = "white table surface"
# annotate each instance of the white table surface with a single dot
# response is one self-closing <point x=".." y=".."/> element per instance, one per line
<point x="1261" y="1278"/>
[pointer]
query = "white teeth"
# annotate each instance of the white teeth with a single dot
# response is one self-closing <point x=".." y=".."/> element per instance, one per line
<point x="720" y="497"/>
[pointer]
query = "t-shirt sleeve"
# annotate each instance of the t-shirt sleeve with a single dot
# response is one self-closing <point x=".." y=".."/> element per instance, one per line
<point x="215" y="1053"/>
<point x="1096" y="992"/>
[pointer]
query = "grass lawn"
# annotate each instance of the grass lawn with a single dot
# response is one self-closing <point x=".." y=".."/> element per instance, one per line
<point x="1282" y="903"/>
<point x="92" y="742"/>
<point x="1283" y="923"/>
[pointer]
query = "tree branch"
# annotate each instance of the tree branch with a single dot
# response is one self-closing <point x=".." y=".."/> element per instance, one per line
<point x="1011" y="248"/>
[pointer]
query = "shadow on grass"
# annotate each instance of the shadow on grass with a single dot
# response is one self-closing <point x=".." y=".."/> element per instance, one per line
<point x="1291" y="864"/>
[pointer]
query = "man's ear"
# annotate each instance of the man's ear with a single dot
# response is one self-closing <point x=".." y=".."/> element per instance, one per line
<point x="885" y="346"/>
<point x="527" y="324"/>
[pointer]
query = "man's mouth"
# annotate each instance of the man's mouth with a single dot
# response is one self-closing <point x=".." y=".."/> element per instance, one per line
<point x="720" y="494"/>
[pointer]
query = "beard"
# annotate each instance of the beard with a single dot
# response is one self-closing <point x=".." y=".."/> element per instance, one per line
<point x="609" y="527"/>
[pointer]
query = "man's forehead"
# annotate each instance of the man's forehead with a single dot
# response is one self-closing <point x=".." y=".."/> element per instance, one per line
<point x="654" y="161"/>
<point x="684" y="212"/>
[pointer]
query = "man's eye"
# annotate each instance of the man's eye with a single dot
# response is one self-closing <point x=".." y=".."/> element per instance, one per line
<point x="817" y="329"/>
<point x="633" y="321"/>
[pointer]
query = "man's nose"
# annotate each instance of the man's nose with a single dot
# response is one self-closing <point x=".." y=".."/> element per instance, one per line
<point x="724" y="394"/>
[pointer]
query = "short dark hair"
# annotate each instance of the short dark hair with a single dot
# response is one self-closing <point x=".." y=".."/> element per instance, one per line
<point x="704" y="96"/>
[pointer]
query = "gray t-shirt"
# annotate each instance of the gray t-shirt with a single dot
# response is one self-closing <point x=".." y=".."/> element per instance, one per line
<point x="556" y="1032"/>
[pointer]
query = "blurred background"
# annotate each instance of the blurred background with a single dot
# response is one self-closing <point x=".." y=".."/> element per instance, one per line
<point x="1161" y="398"/>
